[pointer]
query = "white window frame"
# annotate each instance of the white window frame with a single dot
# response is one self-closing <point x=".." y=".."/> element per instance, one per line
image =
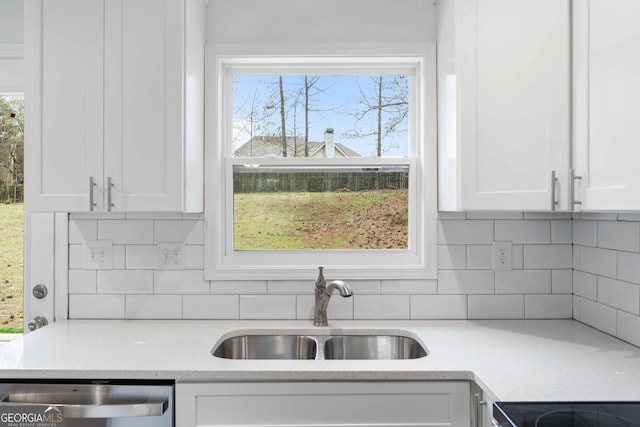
<point x="221" y="262"/>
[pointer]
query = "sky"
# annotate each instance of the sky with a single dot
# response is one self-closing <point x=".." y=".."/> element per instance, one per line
<point x="336" y="99"/>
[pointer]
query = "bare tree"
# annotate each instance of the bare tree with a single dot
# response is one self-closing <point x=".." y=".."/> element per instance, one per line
<point x="12" y="141"/>
<point x="386" y="98"/>
<point x="283" y="129"/>
<point x="253" y="115"/>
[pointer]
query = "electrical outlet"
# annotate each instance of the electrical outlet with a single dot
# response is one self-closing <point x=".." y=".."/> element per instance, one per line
<point x="170" y="256"/>
<point x="98" y="255"/>
<point x="502" y="256"/>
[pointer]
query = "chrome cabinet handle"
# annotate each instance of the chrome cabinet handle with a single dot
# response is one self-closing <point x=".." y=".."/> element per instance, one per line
<point x="554" y="195"/>
<point x="146" y="409"/>
<point x="573" y="178"/>
<point x="92" y="186"/>
<point x="479" y="403"/>
<point x="109" y="187"/>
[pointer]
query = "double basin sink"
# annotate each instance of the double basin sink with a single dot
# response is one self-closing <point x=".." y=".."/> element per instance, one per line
<point x="294" y="346"/>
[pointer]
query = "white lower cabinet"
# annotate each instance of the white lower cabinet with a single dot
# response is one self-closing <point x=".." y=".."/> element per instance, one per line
<point x="384" y="404"/>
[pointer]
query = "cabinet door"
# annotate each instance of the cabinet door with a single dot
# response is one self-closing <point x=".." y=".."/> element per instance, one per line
<point x="512" y="116"/>
<point x="383" y="404"/>
<point x="606" y="94"/>
<point x="63" y="101"/>
<point x="144" y="59"/>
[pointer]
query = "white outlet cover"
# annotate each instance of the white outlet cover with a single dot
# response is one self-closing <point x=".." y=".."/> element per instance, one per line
<point x="170" y="256"/>
<point x="502" y="256"/>
<point x="98" y="255"/>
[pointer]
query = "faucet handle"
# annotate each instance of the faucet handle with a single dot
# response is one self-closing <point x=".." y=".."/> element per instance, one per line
<point x="320" y="282"/>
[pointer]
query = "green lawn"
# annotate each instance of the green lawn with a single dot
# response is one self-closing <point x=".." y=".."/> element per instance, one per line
<point x="11" y="267"/>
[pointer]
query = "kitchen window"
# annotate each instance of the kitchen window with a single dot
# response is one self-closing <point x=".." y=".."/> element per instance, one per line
<point x="319" y="156"/>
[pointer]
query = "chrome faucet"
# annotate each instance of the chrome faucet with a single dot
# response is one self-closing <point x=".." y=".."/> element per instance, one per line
<point x="323" y="294"/>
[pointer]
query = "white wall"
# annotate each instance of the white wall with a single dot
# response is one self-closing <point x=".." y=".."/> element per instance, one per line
<point x="324" y="21"/>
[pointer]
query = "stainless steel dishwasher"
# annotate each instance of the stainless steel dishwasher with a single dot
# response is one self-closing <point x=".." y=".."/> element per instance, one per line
<point x="95" y="403"/>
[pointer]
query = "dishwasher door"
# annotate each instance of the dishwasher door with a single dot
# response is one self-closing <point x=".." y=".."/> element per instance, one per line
<point x="90" y="404"/>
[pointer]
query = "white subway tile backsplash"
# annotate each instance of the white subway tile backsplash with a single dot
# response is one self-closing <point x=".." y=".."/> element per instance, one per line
<point x="452" y="215"/>
<point x="338" y="309"/>
<point x="238" y="287"/>
<point x="97" y="215"/>
<point x="364" y="287"/>
<point x="585" y="233"/>
<point x="517" y="257"/>
<point x="291" y="287"/>
<point x="125" y="282"/>
<point x="588" y="267"/>
<point x="187" y="231"/>
<point x="452" y="232"/>
<point x="181" y="282"/>
<point x="595" y="314"/>
<point x="585" y="285"/>
<point x="153" y="307"/>
<point x="496" y="307"/>
<point x="141" y="257"/>
<point x="621" y="295"/>
<point x="622" y="236"/>
<point x="76" y="257"/>
<point x="211" y="306"/>
<point x="561" y="232"/>
<point x="628" y="328"/>
<point x="494" y="215"/>
<point x="452" y="257"/>
<point x="547" y="215"/>
<point x="96" y="306"/>
<point x="629" y="216"/>
<point x="628" y="267"/>
<point x="409" y="287"/>
<point x="81" y="231"/>
<point x="562" y="281"/>
<point x="268" y="307"/>
<point x="194" y="257"/>
<point x="526" y="232"/>
<point x="523" y="282"/>
<point x="138" y="232"/>
<point x="548" y="256"/>
<point x="598" y="216"/>
<point x="381" y="307"/>
<point x="457" y="282"/>
<point x="153" y="215"/>
<point x="82" y="282"/>
<point x="119" y="256"/>
<point x="479" y="257"/>
<point x="548" y="306"/>
<point x="598" y="261"/>
<point x="438" y="306"/>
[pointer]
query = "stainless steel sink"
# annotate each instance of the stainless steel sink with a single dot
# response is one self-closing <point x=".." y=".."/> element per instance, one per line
<point x="376" y="347"/>
<point x="319" y="346"/>
<point x="267" y="347"/>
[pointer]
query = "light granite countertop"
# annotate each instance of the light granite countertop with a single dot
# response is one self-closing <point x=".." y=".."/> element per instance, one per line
<point x="530" y="360"/>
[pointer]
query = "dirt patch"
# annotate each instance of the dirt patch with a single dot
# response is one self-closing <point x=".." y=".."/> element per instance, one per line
<point x="382" y="224"/>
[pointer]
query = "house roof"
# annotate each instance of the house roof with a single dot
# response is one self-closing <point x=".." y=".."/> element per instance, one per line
<point x="263" y="146"/>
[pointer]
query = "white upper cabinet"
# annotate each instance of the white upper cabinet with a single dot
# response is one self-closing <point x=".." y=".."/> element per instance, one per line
<point x="606" y="113"/>
<point x="114" y="105"/>
<point x="504" y="104"/>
